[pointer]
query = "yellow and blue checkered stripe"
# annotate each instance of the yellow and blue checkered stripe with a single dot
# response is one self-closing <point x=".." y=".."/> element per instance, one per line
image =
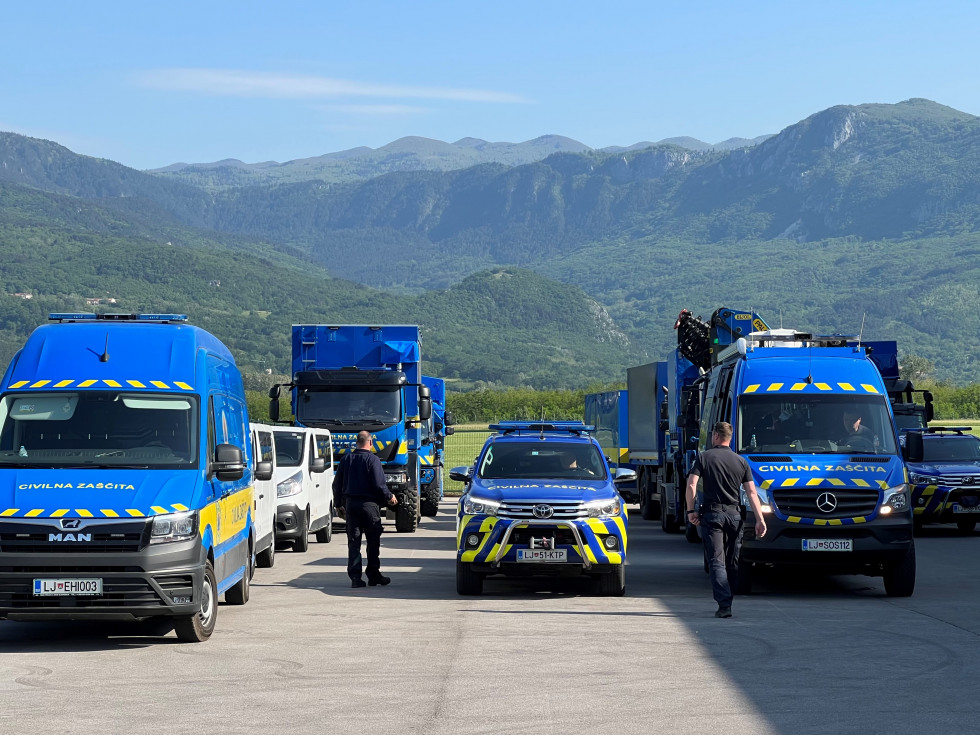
<point x="773" y="387"/>
<point x="127" y="383"/>
<point x="153" y="510"/>
<point x="820" y="482"/>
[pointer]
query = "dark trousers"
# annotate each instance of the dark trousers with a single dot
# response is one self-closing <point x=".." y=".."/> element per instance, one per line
<point x="721" y="532"/>
<point x="364" y="518"/>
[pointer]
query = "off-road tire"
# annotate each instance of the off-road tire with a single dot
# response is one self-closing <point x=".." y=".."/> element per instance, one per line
<point x="324" y="535"/>
<point x="613" y="584"/>
<point x="239" y="592"/>
<point x="900" y="576"/>
<point x="302" y="542"/>
<point x="966" y="525"/>
<point x="468" y="582"/>
<point x="406" y="513"/>
<point x="198" y="627"/>
<point x="430" y="500"/>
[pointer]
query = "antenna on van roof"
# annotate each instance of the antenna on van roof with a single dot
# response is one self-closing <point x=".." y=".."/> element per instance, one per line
<point x="104" y="357"/>
<point x="861" y="334"/>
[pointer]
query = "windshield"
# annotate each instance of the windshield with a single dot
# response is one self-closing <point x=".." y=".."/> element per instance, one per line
<point x="815" y="424"/>
<point x="538" y="461"/>
<point x="909" y="421"/>
<point x="951" y="449"/>
<point x="99" y="429"/>
<point x="350" y="407"/>
<point x="289" y="448"/>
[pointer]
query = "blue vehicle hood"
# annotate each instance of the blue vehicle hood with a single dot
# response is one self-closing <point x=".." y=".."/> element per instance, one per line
<point x="945" y="468"/>
<point x="97" y="493"/>
<point x="558" y="490"/>
<point x="827" y="470"/>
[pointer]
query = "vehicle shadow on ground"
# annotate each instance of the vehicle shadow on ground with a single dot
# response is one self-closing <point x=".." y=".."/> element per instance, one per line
<point x="78" y="636"/>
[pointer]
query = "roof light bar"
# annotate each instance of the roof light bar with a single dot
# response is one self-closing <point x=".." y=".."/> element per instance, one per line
<point x="82" y="317"/>
<point x="557" y="427"/>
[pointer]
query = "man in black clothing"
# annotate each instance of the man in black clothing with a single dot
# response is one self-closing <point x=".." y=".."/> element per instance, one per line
<point x="720" y="515"/>
<point x="359" y="487"/>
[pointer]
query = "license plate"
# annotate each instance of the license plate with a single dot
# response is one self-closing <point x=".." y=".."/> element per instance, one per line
<point x="828" y="544"/>
<point x="957" y="508"/>
<point x="543" y="555"/>
<point x="67" y="587"/>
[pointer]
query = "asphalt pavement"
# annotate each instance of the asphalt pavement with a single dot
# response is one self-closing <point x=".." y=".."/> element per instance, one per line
<point x="307" y="654"/>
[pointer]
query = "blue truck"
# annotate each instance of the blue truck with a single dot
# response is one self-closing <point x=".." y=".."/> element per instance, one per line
<point x="433" y="449"/>
<point x="944" y="474"/>
<point x="608" y="413"/>
<point x="541" y="500"/>
<point x="813" y="419"/>
<point x="352" y="378"/>
<point x="908" y="411"/>
<point x="126" y="480"/>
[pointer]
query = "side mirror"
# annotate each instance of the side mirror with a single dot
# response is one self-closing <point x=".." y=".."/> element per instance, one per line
<point x="275" y="391"/>
<point x="448" y="418"/>
<point x="449" y="431"/>
<point x="425" y="408"/>
<point x="263" y="471"/>
<point x="913" y="446"/>
<point x="274" y="410"/>
<point x="317" y="465"/>
<point x="229" y="463"/>
<point x="624" y="475"/>
<point x="460" y="474"/>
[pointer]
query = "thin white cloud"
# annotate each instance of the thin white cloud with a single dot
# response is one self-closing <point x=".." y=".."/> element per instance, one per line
<point x="375" y="109"/>
<point x="240" y="83"/>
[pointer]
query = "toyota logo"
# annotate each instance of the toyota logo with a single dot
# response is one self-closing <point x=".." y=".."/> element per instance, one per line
<point x="827" y="502"/>
<point x="71" y="523"/>
<point x="543" y="511"/>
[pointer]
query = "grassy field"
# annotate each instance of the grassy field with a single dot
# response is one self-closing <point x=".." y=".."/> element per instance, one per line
<point x="461" y="449"/>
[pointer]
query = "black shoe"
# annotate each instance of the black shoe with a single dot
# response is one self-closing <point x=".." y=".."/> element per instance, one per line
<point x="356" y="583"/>
<point x="723" y="612"/>
<point x="380" y="579"/>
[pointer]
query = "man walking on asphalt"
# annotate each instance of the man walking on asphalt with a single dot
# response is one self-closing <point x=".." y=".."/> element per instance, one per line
<point x="720" y="514"/>
<point x="359" y="487"/>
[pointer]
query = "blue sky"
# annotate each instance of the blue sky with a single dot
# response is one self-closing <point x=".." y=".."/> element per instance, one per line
<point x="149" y="84"/>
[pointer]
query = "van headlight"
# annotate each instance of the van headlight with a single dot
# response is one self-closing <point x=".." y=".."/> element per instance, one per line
<point x="603" y="508"/>
<point x="173" y="527"/>
<point x="480" y="506"/>
<point x="896" y="499"/>
<point x="290" y="486"/>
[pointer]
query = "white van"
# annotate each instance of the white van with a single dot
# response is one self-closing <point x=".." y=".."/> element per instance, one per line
<point x="264" y="497"/>
<point x="304" y="479"/>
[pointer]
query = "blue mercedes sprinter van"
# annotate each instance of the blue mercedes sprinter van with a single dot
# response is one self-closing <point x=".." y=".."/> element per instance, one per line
<point x="125" y="474"/>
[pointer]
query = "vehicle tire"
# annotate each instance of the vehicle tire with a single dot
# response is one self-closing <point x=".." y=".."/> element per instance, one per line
<point x="302" y="542"/>
<point x="468" y="582"/>
<point x="613" y="584"/>
<point x="966" y="525"/>
<point x="198" y="627"/>
<point x="430" y="500"/>
<point x="238" y="593"/>
<point x="648" y="509"/>
<point x="900" y="577"/>
<point x="406" y="513"/>
<point x="266" y="558"/>
<point x="692" y="534"/>
<point x="324" y="535"/>
<point x="744" y="578"/>
<point x="668" y="522"/>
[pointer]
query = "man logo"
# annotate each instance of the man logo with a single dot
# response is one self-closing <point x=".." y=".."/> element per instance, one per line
<point x="53" y="537"/>
<point x="827" y="502"/>
<point x="71" y="523"/>
<point x="543" y="511"/>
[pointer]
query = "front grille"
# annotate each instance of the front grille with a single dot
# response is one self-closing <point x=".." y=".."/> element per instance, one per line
<point x="851" y="502"/>
<point x="524" y="510"/>
<point x="18" y="593"/>
<point x="966" y="481"/>
<point x="562" y="536"/>
<point x="174" y="582"/>
<point x="101" y="543"/>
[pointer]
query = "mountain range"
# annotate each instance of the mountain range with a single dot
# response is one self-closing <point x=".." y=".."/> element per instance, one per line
<point x="862" y="215"/>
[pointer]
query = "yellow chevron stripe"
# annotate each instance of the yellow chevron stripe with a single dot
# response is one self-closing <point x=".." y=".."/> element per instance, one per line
<point x="40" y="384"/>
<point x="135" y="513"/>
<point x="60" y="512"/>
<point x="789" y="482"/>
<point x="869" y="388"/>
<point x="751" y="388"/>
<point x="160" y="384"/>
<point x="774" y="386"/>
<point x="766" y="484"/>
<point x="862" y="519"/>
<point x="113" y="383"/>
<point x="9" y="512"/>
<point x="883" y="484"/>
<point x="136" y="384"/>
<point x="178" y="506"/>
<point x="814" y="481"/>
<point x="20" y="384"/>
<point x="63" y="383"/>
<point x="835" y="481"/>
<point x="820" y="522"/>
<point x="158" y="510"/>
<point x="861" y="483"/>
<point x="184" y="386"/>
<point x="109" y="513"/>
<point x="798" y="386"/>
<point x="846" y="386"/>
<point x="87" y="383"/>
<point x="823" y="386"/>
<point x="836" y="522"/>
<point x="403" y="447"/>
<point x="34" y="513"/>
<point x="793" y="519"/>
<point x="84" y="513"/>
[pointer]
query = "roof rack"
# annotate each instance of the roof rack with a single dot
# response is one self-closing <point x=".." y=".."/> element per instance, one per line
<point x="83" y="317"/>
<point x="550" y="427"/>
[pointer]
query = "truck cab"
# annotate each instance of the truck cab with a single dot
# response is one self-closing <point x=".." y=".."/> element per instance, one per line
<point x="944" y="474"/>
<point x="432" y="447"/>
<point x="541" y="500"/>
<point x="126" y="480"/>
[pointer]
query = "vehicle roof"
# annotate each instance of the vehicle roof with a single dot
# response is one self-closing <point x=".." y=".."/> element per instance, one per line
<point x="843" y="372"/>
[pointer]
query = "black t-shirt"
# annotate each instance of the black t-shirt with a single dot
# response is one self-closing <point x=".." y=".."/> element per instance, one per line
<point x="722" y="474"/>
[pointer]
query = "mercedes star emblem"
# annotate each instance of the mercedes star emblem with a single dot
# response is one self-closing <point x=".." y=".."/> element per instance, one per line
<point x="543" y="511"/>
<point x="827" y="502"/>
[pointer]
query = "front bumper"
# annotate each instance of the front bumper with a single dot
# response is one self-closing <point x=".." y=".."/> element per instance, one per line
<point x="289" y="522"/>
<point x="878" y="542"/>
<point x="158" y="580"/>
<point x="585" y="542"/>
<point x="936" y="503"/>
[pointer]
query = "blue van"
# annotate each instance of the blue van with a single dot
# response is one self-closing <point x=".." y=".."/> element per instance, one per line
<point x="125" y="480"/>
